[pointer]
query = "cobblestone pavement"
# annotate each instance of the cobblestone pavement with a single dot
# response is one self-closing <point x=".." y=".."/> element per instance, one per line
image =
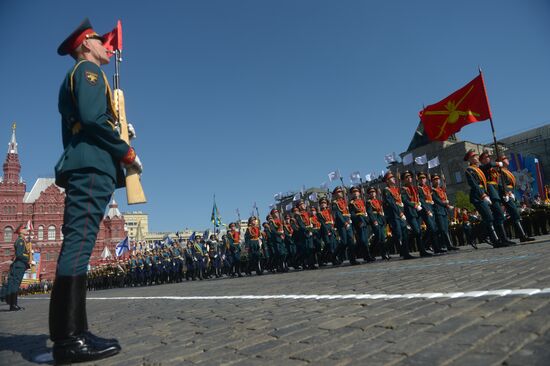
<point x="168" y="328"/>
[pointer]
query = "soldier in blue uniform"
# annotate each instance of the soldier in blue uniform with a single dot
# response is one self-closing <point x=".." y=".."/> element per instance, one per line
<point x="21" y="262"/>
<point x="395" y="217"/>
<point x="89" y="170"/>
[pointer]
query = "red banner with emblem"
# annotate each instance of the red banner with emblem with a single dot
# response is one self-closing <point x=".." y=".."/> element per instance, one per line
<point x="467" y="105"/>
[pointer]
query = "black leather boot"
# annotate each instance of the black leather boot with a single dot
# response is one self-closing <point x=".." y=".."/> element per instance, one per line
<point x="69" y="327"/>
<point x="13" y="303"/>
<point x="493" y="237"/>
<point x="522" y="236"/>
<point x="450" y="245"/>
<point x="502" y="234"/>
<point x="404" y="249"/>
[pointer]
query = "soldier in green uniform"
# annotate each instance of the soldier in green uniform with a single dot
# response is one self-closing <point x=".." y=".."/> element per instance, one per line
<point x="492" y="175"/>
<point x="376" y="213"/>
<point x="479" y="196"/>
<point x="395" y="216"/>
<point x="21" y="262"/>
<point x="89" y="170"/>
<point x="412" y="207"/>
<point x="506" y="186"/>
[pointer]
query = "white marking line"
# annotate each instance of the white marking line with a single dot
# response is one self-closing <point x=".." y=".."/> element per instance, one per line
<point x="426" y="295"/>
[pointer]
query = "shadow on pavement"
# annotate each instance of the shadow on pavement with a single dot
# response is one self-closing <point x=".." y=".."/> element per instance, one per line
<point x="29" y="346"/>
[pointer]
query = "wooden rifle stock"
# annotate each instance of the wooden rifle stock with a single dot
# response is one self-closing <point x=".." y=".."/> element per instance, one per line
<point x="134" y="190"/>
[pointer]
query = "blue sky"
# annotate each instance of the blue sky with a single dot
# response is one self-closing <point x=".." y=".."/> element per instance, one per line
<point x="245" y="99"/>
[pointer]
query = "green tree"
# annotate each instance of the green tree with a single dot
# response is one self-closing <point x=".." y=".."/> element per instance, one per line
<point x="462" y="200"/>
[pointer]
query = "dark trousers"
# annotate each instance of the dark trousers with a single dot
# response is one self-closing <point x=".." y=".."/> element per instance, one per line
<point x="17" y="270"/>
<point x="87" y="195"/>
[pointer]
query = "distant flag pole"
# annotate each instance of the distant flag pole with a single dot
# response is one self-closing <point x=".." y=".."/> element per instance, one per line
<point x="490" y="115"/>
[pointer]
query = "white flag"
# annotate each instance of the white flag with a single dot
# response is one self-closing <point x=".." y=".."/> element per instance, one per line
<point x="313" y="197"/>
<point x="408" y="159"/>
<point x="296" y="197"/>
<point x="271" y="206"/>
<point x="390" y="158"/>
<point x="332" y="176"/>
<point x="433" y="163"/>
<point x="278" y="196"/>
<point x="421" y="160"/>
<point x="106" y="253"/>
<point x="368" y="177"/>
<point x="355" y="177"/>
<point x="288" y="207"/>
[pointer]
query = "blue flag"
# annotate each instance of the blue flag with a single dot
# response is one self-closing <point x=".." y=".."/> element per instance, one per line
<point x="122" y="247"/>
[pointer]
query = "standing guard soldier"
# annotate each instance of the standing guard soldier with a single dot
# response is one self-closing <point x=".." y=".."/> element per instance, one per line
<point x="427" y="213"/>
<point x="479" y="196"/>
<point x="89" y="170"/>
<point x="492" y="176"/>
<point x="412" y="208"/>
<point x="361" y="224"/>
<point x="393" y="208"/>
<point x="507" y="184"/>
<point x="376" y="213"/>
<point x="328" y="232"/>
<point x="344" y="226"/>
<point x="441" y="205"/>
<point x="21" y="262"/>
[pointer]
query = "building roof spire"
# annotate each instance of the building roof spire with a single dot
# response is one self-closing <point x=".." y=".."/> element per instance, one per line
<point x="12" y="146"/>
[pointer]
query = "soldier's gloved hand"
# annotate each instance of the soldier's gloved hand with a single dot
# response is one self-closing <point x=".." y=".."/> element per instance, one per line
<point x="500" y="164"/>
<point x="487" y="199"/>
<point x="513" y="196"/>
<point x="506" y="198"/>
<point x="419" y="208"/>
<point x="136" y="165"/>
<point x="131" y="131"/>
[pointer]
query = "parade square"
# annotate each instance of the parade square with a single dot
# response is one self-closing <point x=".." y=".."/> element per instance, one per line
<point x="163" y="325"/>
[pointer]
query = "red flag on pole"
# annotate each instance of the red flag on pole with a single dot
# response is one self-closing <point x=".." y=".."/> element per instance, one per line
<point x="113" y="40"/>
<point x="466" y="105"/>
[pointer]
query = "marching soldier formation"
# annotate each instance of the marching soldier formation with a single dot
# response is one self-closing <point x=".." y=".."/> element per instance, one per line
<point x="344" y="226"/>
<point x="411" y="216"/>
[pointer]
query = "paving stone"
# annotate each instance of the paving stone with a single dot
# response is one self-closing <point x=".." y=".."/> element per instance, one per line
<point x="508" y="330"/>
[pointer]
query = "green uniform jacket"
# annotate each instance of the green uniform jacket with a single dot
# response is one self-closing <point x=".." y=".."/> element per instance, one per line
<point x="90" y="139"/>
<point x="20" y="254"/>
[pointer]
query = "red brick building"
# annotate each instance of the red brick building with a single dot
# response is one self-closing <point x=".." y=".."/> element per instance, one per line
<point x="43" y="206"/>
